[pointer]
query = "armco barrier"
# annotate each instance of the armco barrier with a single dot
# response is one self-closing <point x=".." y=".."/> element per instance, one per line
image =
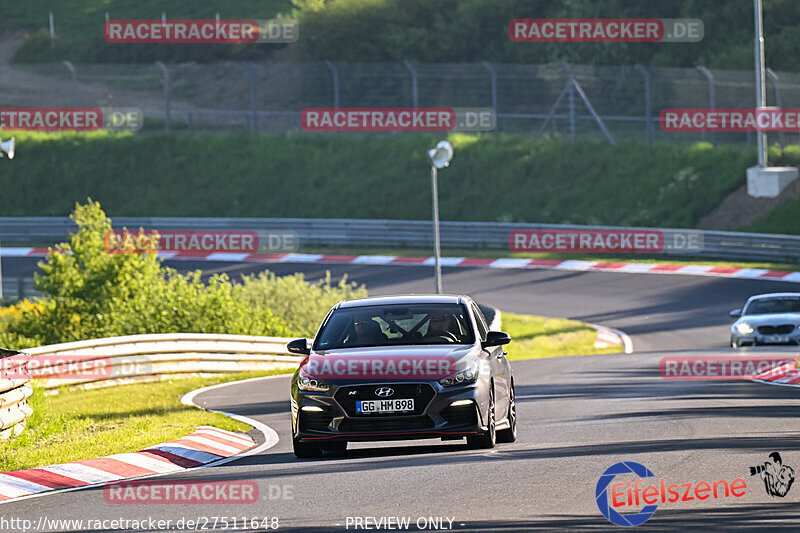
<point x="402" y="233"/>
<point x="15" y="389"/>
<point x="139" y="358"/>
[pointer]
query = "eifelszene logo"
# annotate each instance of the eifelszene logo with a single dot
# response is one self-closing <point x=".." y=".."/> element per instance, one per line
<point x="778" y="477"/>
<point x="601" y="494"/>
<point x="632" y="494"/>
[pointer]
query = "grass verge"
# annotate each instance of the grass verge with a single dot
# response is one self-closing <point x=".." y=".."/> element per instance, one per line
<point x="82" y="424"/>
<point x="535" y="337"/>
<point x="532" y="180"/>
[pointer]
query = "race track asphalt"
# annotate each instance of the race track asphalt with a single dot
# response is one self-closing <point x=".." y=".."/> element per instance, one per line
<point x="578" y="416"/>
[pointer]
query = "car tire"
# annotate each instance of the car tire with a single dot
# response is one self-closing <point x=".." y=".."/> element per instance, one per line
<point x="306" y="450"/>
<point x="488" y="439"/>
<point x="510" y="434"/>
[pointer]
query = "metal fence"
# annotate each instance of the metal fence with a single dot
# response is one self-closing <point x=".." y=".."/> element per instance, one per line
<point x="402" y="233"/>
<point x="268" y="97"/>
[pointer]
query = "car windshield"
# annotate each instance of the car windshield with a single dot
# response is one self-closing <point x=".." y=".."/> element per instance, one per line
<point x="773" y="305"/>
<point x="393" y="325"/>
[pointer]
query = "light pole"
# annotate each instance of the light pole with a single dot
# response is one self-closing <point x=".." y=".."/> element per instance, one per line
<point x="761" y="81"/>
<point x="8" y="148"/>
<point x="439" y="157"/>
<point x="764" y="181"/>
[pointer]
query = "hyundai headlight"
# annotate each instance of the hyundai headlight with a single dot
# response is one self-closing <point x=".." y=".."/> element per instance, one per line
<point x="314" y="385"/>
<point x="465" y="377"/>
<point x="744" y="328"/>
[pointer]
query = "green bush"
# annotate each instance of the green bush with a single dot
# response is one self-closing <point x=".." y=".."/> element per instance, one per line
<point x="476" y="30"/>
<point x="79" y="29"/>
<point x="89" y="293"/>
<point x="417" y="30"/>
<point x="300" y="304"/>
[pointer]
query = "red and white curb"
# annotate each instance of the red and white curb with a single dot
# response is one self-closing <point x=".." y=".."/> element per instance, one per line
<point x="475" y="262"/>
<point x="206" y="445"/>
<point x="612" y="338"/>
<point x="787" y="375"/>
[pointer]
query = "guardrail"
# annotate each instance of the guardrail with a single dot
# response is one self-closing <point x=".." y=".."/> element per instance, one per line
<point x="140" y="358"/>
<point x="18" y="287"/>
<point x="15" y="389"/>
<point x="403" y="233"/>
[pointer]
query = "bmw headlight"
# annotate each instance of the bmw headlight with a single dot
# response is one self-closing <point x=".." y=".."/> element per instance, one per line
<point x="465" y="377"/>
<point x="314" y="385"/>
<point x="744" y="328"/>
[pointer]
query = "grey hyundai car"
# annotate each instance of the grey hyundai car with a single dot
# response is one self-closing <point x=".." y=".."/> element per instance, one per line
<point x="767" y="319"/>
<point x="398" y="368"/>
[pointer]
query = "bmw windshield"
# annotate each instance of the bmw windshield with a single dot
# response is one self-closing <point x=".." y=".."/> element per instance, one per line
<point x="766" y="306"/>
<point x="396" y="325"/>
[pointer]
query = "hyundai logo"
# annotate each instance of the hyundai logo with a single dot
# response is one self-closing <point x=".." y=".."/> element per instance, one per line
<point x="384" y="392"/>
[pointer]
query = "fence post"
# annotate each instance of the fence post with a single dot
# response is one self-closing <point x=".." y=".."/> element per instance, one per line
<point x="52" y="31"/>
<point x="776" y="85"/>
<point x="414" y="88"/>
<point x="648" y="104"/>
<point x="571" y="95"/>
<point x="251" y="73"/>
<point x="73" y="83"/>
<point x="711" y="98"/>
<point x="165" y="80"/>
<point x="335" y="73"/>
<point x="493" y="74"/>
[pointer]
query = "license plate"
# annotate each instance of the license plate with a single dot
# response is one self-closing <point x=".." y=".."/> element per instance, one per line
<point x="777" y="339"/>
<point x="384" y="406"/>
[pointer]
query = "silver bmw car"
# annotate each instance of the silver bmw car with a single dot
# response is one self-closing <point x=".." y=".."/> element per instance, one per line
<point x="767" y="319"/>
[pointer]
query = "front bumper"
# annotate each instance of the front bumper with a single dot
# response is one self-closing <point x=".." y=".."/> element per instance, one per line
<point x="758" y="339"/>
<point x="433" y="415"/>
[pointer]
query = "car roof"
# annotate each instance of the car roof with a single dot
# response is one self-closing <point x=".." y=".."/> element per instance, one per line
<point x="775" y="295"/>
<point x="404" y="299"/>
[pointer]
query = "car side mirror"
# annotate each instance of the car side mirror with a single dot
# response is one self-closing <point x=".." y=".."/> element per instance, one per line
<point x="496" y="338"/>
<point x="736" y="313"/>
<point x="298" y="346"/>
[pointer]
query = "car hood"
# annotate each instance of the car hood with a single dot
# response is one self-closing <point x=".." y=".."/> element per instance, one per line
<point x="772" y="319"/>
<point x="460" y="356"/>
